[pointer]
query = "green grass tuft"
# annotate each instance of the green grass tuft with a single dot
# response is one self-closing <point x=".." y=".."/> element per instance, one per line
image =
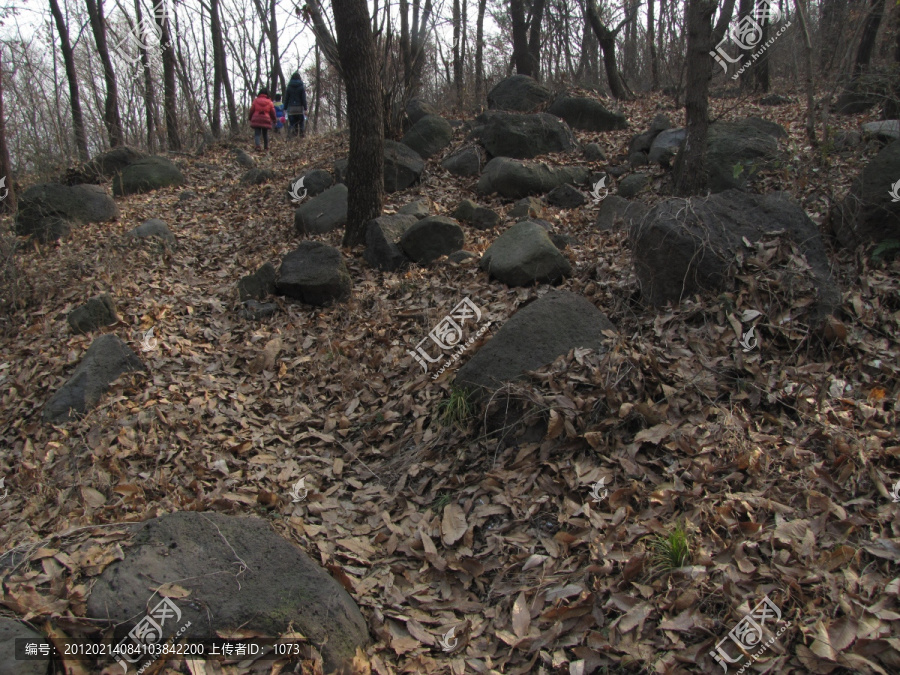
<point x="673" y="551"/>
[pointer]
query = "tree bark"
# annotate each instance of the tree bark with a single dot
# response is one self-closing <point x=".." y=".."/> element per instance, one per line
<point x="365" y="172"/>
<point x="173" y="140"/>
<point x="607" y="40"/>
<point x="111" y="117"/>
<point x="520" y="55"/>
<point x="808" y="63"/>
<point x="867" y="41"/>
<point x="9" y="202"/>
<point x="534" y="37"/>
<point x="479" y="53"/>
<point x="72" y="77"/>
<point x="690" y="170"/>
<point x="457" y="53"/>
<point x="651" y="43"/>
<point x="149" y="92"/>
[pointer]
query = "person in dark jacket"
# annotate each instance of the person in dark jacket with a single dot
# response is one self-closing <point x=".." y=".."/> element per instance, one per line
<point x="295" y="104"/>
<point x="262" y="117"/>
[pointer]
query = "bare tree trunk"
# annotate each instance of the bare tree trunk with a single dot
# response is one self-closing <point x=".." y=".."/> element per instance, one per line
<point x="867" y="41"/>
<point x="534" y="38"/>
<point x="802" y="13"/>
<point x="607" y="40"/>
<point x="520" y="55"/>
<point x="651" y="43"/>
<point x="149" y="92"/>
<point x="365" y="175"/>
<point x="457" y="57"/>
<point x="173" y="140"/>
<point x="111" y="117"/>
<point x="72" y="77"/>
<point x="690" y="170"/>
<point x="479" y="53"/>
<point x="9" y="202"/>
<point x="761" y="70"/>
<point x="315" y="124"/>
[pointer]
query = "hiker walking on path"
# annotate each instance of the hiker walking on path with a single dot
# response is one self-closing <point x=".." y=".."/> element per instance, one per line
<point x="262" y="118"/>
<point x="295" y="103"/>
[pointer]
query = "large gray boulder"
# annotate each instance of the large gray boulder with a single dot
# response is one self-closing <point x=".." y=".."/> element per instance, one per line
<point x="882" y="130"/>
<point x="383" y="241"/>
<point x="432" y="237"/>
<point x="145" y="175"/>
<point x="515" y="179"/>
<point x="518" y="93"/>
<point x="241" y="576"/>
<point x="403" y="166"/>
<point x="684" y="246"/>
<point x="533" y="337"/>
<point x="105" y="360"/>
<point x="95" y="313"/>
<point x="416" y="109"/>
<point x="103" y="167"/>
<point x="735" y="150"/>
<point x="586" y="114"/>
<point x="428" y="136"/>
<point x="10" y="631"/>
<point x="631" y="185"/>
<point x="616" y="212"/>
<point x="522" y="136"/>
<point x="870" y="213"/>
<point x="324" y="212"/>
<point x="42" y="207"/>
<point x="524" y="255"/>
<point x="464" y="162"/>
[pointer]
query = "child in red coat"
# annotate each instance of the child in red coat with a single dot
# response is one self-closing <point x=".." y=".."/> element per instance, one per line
<point x="262" y="117"/>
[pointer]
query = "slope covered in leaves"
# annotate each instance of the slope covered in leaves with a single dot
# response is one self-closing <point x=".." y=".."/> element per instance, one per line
<point x="776" y="463"/>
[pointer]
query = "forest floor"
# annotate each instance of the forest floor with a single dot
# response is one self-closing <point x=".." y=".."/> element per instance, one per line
<point x="777" y="463"/>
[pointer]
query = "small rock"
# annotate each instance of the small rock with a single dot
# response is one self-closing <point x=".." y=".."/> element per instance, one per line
<point x="593" y="153"/>
<point x="187" y="195"/>
<point x="566" y="197"/>
<point x="153" y="228"/>
<point x="638" y="159"/>
<point x="524" y="255"/>
<point x="383" y="241"/>
<point x="461" y="257"/>
<point x="630" y="186"/>
<point x="464" y="210"/>
<point x="420" y="209"/>
<point x="616" y="211"/>
<point x="96" y="312"/>
<point x="315" y="274"/>
<point x="259" y="284"/>
<point x="257" y="176"/>
<point x="464" y="162"/>
<point x="618" y="171"/>
<point x="665" y="146"/>
<point x="244" y="159"/>
<point x="403" y="166"/>
<point x="416" y="109"/>
<point x="518" y="93"/>
<point x="10" y="631"/>
<point x="432" y="237"/>
<point x="255" y="311"/>
<point x="428" y="136"/>
<point x="885" y="130"/>
<point x="529" y="207"/>
<point x="586" y="114"/>
<point x="147" y="174"/>
<point x="660" y="123"/>
<point x="323" y="213"/>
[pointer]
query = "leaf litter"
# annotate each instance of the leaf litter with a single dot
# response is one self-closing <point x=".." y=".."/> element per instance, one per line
<point x="778" y="462"/>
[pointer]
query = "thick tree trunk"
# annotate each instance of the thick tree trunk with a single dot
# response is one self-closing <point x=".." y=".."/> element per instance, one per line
<point x="651" y="43"/>
<point x="72" y="77"/>
<point x="457" y="53"/>
<point x="9" y="202"/>
<point x="365" y="173"/>
<point x="111" y="117"/>
<point x="829" y="30"/>
<point x="520" y="55"/>
<point x="690" y="172"/>
<point x="534" y="38"/>
<point x="867" y="41"/>
<point x="173" y="140"/>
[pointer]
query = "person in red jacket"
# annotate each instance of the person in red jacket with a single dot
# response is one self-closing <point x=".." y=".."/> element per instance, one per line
<point x="262" y="117"/>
